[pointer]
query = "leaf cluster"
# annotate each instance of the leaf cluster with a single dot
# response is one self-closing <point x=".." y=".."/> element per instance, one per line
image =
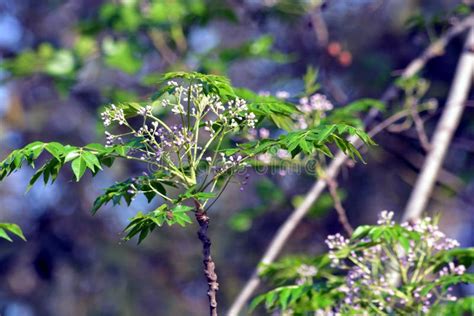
<point x="324" y="291"/>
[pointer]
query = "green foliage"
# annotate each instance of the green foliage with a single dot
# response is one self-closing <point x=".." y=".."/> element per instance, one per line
<point x="144" y="224"/>
<point x="277" y="111"/>
<point x="121" y="34"/>
<point x="128" y="189"/>
<point x="318" y="294"/>
<point x="349" y="114"/>
<point x="92" y="157"/>
<point x="261" y="47"/>
<point x="14" y="229"/>
<point x="315" y="140"/>
<point x="45" y="59"/>
<point x="359" y="275"/>
<point x="212" y="84"/>
<point x="194" y="157"/>
<point x="310" y="79"/>
<point x="313" y="297"/>
<point x="463" y="306"/>
<point x="120" y="55"/>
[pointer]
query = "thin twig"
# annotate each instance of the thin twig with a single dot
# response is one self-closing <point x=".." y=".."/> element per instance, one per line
<point x="419" y="127"/>
<point x="158" y="39"/>
<point x="415" y="160"/>
<point x="341" y="212"/>
<point x="339" y="160"/>
<point x="444" y="132"/>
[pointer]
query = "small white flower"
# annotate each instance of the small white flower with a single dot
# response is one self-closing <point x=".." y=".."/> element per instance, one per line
<point x="282" y="94"/>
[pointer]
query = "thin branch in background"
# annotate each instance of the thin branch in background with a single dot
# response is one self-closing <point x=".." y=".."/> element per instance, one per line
<point x="400" y="127"/>
<point x="341" y="212"/>
<point x="158" y="39"/>
<point x="284" y="232"/>
<point x="319" y="27"/>
<point x="419" y="127"/>
<point x="444" y="132"/>
<point x="336" y="92"/>
<point x="321" y="33"/>
<point x="415" y="161"/>
<point x="439" y="194"/>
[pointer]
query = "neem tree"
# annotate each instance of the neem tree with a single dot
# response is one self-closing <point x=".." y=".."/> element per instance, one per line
<point x="195" y="155"/>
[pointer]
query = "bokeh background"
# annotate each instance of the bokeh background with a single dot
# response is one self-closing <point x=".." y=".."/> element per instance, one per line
<point x="63" y="60"/>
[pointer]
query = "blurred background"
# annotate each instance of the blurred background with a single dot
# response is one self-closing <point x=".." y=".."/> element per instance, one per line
<point x="62" y="61"/>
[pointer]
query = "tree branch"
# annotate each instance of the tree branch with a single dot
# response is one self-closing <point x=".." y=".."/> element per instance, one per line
<point x="341" y="212"/>
<point x="297" y="215"/>
<point x="209" y="265"/>
<point x="444" y="132"/>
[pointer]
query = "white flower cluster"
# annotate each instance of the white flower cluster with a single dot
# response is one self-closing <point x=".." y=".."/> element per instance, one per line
<point x="336" y="242"/>
<point x="452" y="269"/>
<point x="113" y="114"/>
<point x="175" y="147"/>
<point x="230" y="161"/>
<point x="145" y="111"/>
<point x="238" y="111"/>
<point x="316" y="102"/>
<point x="370" y="269"/>
<point x="385" y="218"/>
<point x="315" y="106"/>
<point x="306" y="274"/>
<point x="432" y="235"/>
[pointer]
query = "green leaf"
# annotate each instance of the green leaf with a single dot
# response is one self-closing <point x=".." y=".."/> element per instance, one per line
<point x="91" y="160"/>
<point x="181" y="208"/>
<point x="310" y="81"/>
<point x="55" y="149"/>
<point x="361" y="232"/>
<point x="96" y="147"/>
<point x="405" y="242"/>
<point x="61" y="64"/>
<point x="78" y="166"/>
<point x="71" y="155"/>
<point x="204" y="195"/>
<point x="120" y="55"/>
<point x="4" y="235"/>
<point x="12" y="228"/>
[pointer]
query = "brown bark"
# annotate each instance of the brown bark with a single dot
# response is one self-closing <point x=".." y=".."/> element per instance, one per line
<point x="209" y="265"/>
